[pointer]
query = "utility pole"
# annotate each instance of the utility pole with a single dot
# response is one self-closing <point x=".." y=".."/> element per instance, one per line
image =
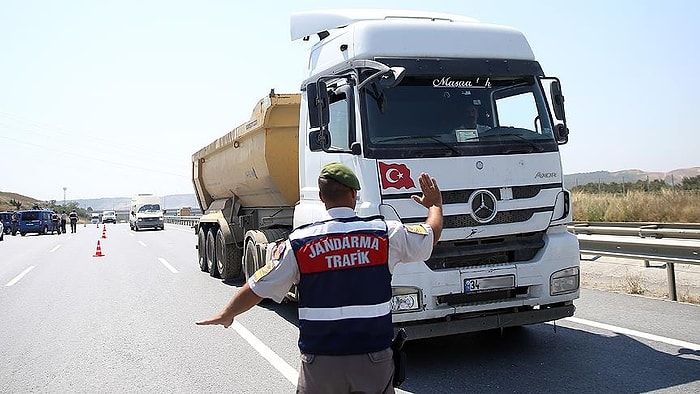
<point x="64" y="195"/>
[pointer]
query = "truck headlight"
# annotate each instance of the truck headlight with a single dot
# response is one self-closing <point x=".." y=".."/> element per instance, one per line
<point x="564" y="281"/>
<point x="405" y="299"/>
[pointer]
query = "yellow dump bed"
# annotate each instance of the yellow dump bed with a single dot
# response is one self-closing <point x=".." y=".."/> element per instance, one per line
<point x="258" y="161"/>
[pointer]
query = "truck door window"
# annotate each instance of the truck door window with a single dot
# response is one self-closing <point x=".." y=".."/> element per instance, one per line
<point x="516" y="111"/>
<point x="521" y="111"/>
<point x="339" y="125"/>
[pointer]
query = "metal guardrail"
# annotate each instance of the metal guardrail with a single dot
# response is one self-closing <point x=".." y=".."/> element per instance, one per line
<point x="666" y="242"/>
<point x="641" y="229"/>
<point x="182" y="220"/>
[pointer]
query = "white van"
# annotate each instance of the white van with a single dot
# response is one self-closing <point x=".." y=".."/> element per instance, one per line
<point x="109" y="217"/>
<point x="145" y="212"/>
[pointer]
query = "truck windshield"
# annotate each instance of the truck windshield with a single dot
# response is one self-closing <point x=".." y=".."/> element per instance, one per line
<point x="463" y="115"/>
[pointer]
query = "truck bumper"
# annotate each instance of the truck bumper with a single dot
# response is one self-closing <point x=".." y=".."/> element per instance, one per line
<point x="481" y="322"/>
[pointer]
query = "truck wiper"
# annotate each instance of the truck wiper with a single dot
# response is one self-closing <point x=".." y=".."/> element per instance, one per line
<point x="519" y="135"/>
<point x="416" y="137"/>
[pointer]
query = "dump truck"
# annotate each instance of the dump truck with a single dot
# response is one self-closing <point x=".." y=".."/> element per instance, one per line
<point x="392" y="94"/>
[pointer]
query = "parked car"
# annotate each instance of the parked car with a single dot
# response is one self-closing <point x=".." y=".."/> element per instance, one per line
<point x="6" y="219"/>
<point x="109" y="217"/>
<point x="36" y="221"/>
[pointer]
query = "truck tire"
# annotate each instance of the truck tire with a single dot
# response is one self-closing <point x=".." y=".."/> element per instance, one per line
<point x="211" y="254"/>
<point x="228" y="258"/>
<point x="250" y="256"/>
<point x="202" y="250"/>
<point x="254" y="251"/>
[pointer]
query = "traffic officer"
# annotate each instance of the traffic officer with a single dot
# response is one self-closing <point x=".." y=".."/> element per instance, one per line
<point x="342" y="268"/>
<point x="73" y="216"/>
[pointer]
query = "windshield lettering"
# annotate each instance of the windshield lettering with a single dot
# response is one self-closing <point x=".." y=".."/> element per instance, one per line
<point x="447" y="82"/>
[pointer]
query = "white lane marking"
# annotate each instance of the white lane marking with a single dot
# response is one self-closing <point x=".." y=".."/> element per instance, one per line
<point x="20" y="276"/>
<point x="167" y="265"/>
<point x="55" y="248"/>
<point x="276" y="361"/>
<point x="142" y="244"/>
<point x="634" y="333"/>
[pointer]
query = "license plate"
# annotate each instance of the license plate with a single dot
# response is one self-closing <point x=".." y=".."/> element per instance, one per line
<point x="490" y="283"/>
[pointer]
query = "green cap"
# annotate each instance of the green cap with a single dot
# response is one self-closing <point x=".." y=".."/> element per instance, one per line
<point x="341" y="174"/>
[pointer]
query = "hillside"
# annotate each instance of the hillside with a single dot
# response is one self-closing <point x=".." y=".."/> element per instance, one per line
<point x="5" y="197"/>
<point x="671" y="177"/>
<point x="174" y="201"/>
<point x="100" y="204"/>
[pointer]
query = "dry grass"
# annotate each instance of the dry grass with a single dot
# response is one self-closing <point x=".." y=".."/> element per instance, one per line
<point x="685" y="296"/>
<point x="634" y="284"/>
<point x="666" y="206"/>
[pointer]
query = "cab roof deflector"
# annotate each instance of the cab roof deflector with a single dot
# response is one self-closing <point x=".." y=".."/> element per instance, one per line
<point x="304" y="24"/>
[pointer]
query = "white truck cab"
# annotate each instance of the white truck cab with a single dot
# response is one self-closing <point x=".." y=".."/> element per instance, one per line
<point x="392" y="94"/>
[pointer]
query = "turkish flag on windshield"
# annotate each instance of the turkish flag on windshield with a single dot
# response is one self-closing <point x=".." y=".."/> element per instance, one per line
<point x="396" y="175"/>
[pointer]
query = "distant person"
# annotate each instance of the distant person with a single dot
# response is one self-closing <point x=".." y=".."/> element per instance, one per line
<point x="56" y="221"/>
<point x="15" y="222"/>
<point x="73" y="221"/>
<point x="64" y="220"/>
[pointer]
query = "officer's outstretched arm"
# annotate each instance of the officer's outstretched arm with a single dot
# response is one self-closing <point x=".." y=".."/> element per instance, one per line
<point x="241" y="302"/>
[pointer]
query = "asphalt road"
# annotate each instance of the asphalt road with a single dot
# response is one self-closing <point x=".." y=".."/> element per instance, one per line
<point x="71" y="322"/>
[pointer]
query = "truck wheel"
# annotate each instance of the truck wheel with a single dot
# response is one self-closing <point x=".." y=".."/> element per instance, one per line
<point x="202" y="250"/>
<point x="211" y="254"/>
<point x="253" y="260"/>
<point x="228" y="258"/>
<point x="250" y="259"/>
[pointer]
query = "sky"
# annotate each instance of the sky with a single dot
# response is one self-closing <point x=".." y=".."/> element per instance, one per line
<point x="112" y="98"/>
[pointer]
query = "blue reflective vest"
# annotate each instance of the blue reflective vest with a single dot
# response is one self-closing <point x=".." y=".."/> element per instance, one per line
<point x="344" y="286"/>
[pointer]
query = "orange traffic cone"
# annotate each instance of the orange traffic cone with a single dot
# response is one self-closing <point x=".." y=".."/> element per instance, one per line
<point x="98" y="252"/>
<point x="104" y="232"/>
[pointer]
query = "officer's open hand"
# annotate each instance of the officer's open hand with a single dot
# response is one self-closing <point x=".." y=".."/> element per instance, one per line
<point x="431" y="192"/>
<point x="216" y="319"/>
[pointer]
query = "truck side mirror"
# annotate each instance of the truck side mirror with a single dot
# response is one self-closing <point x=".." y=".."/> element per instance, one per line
<point x="319" y="140"/>
<point x="557" y="100"/>
<point x="561" y="133"/>
<point x="317" y="99"/>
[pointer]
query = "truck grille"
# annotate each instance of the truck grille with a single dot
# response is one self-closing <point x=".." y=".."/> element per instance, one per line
<point x="485" y="251"/>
